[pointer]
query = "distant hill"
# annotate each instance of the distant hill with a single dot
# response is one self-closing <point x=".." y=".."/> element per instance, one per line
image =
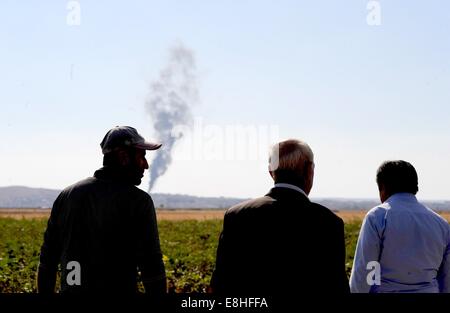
<point x="25" y="197"/>
<point x="178" y="201"/>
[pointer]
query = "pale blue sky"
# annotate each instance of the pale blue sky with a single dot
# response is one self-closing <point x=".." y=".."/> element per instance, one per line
<point x="358" y="94"/>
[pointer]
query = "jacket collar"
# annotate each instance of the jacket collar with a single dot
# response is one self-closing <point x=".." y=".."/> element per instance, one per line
<point x="114" y="173"/>
<point x="281" y="194"/>
<point x="290" y="186"/>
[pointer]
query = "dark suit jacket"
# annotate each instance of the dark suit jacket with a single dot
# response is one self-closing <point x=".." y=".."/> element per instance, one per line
<point x="280" y="243"/>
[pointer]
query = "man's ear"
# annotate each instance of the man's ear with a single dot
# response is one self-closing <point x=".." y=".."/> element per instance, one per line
<point x="309" y="178"/>
<point x="383" y="193"/>
<point x="123" y="157"/>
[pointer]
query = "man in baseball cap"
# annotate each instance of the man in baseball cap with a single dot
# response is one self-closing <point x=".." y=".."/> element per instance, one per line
<point x="103" y="229"/>
<point x="123" y="150"/>
<point x="125" y="136"/>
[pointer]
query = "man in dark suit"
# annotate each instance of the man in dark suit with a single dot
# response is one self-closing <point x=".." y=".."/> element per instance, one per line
<point x="282" y="242"/>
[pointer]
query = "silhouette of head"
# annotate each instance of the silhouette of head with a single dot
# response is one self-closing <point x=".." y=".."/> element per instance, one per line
<point x="124" y="149"/>
<point x="396" y="177"/>
<point x="292" y="161"/>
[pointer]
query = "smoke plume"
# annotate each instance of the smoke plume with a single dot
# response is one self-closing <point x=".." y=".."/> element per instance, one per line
<point x="169" y="104"/>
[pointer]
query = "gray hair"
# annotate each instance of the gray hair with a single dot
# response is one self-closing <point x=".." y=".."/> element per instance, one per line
<point x="290" y="155"/>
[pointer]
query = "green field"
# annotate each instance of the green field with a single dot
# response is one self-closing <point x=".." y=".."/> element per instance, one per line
<point x="189" y="249"/>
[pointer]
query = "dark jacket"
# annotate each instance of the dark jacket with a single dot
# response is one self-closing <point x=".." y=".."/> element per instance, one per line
<point x="280" y="243"/>
<point x="108" y="226"/>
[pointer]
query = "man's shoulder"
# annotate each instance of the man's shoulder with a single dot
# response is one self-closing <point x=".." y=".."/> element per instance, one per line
<point x="325" y="213"/>
<point x="436" y="216"/>
<point x="92" y="185"/>
<point x="141" y="194"/>
<point x="81" y="185"/>
<point x="378" y="211"/>
<point x="84" y="183"/>
<point x="250" y="205"/>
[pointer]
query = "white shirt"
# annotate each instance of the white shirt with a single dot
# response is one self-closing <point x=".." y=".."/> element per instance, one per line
<point x="411" y="244"/>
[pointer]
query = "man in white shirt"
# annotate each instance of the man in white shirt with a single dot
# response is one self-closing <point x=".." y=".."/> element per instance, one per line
<point x="403" y="246"/>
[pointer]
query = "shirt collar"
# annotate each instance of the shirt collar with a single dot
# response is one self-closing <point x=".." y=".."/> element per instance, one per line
<point x="290" y="186"/>
<point x="402" y="196"/>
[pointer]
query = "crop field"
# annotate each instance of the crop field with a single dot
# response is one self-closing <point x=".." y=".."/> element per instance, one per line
<point x="170" y="215"/>
<point x="177" y="215"/>
<point x="188" y="242"/>
<point x="188" y="247"/>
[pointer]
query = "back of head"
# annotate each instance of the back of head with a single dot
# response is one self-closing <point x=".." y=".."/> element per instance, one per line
<point x="291" y="161"/>
<point x="397" y="176"/>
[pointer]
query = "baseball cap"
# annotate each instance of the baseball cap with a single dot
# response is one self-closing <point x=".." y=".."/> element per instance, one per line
<point x="125" y="136"/>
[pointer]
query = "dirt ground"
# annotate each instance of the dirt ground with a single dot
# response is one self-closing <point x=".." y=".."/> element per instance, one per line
<point x="177" y="215"/>
<point x="171" y="215"/>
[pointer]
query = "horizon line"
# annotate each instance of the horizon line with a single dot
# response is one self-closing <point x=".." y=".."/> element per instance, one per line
<point x="375" y="199"/>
